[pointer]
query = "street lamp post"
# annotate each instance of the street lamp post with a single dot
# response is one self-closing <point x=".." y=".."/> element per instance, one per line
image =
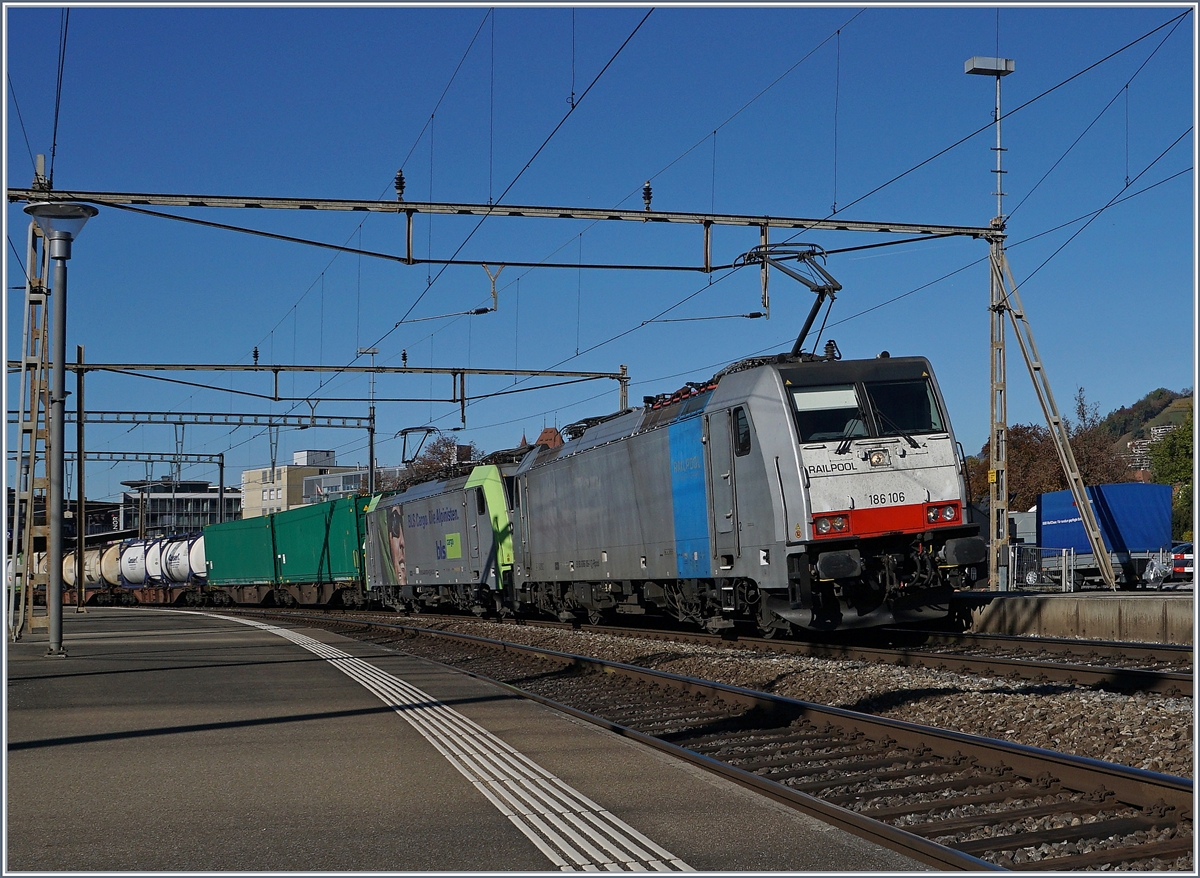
<point x="60" y="223"/>
<point x="998" y="572"/>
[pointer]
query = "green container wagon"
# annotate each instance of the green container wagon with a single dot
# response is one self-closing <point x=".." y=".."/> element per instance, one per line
<point x="240" y="552"/>
<point x="320" y="543"/>
<point x="347" y="533"/>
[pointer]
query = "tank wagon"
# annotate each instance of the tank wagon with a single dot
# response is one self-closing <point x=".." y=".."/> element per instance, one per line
<point x="797" y="492"/>
<point x="160" y="570"/>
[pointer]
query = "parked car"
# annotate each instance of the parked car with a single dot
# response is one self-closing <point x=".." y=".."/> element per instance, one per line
<point x="1181" y="568"/>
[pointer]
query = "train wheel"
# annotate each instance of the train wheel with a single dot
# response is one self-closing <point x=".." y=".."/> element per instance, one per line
<point x="779" y="628"/>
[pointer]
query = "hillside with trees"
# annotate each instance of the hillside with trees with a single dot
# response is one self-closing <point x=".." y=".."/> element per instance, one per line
<point x="1134" y="422"/>
<point x="1098" y="444"/>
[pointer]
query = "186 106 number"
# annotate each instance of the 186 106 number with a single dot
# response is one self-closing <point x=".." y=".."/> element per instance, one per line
<point x="882" y="499"/>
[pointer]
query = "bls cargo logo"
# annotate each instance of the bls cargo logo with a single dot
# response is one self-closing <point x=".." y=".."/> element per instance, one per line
<point x="434" y="516"/>
<point x="450" y="547"/>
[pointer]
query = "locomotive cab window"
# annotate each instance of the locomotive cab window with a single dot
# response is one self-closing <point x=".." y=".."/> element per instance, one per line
<point x="741" y="432"/>
<point x="829" y="413"/>
<point x="905" y="407"/>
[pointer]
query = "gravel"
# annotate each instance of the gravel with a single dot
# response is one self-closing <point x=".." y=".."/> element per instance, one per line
<point x="1143" y="730"/>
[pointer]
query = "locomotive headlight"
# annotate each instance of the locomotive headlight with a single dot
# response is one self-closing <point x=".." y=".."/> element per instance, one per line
<point x="822" y="525"/>
<point x="949" y="513"/>
<point x="839" y="522"/>
<point x="879" y="457"/>
<point x="932" y="514"/>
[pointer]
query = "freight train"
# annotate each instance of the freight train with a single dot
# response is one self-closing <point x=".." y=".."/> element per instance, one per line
<point x="794" y="493"/>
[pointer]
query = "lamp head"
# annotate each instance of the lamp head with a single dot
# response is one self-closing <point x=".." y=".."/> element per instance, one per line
<point x="989" y="66"/>
<point x="60" y="219"/>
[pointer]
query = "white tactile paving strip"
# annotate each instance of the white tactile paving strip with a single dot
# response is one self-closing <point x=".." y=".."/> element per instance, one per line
<point x="573" y="832"/>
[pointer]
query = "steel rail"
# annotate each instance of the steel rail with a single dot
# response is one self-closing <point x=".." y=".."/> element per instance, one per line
<point x="1063" y="645"/>
<point x="497" y="210"/>
<point x="1134" y="787"/>
<point x="1090" y="675"/>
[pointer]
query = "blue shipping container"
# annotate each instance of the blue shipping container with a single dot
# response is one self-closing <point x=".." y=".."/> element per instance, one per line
<point x="1133" y="517"/>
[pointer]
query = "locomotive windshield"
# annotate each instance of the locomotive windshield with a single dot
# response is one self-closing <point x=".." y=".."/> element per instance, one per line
<point x="904" y="407"/>
<point x="828" y="413"/>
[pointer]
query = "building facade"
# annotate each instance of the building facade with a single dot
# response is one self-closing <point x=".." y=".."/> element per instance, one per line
<point x="320" y="488"/>
<point x="156" y="508"/>
<point x="266" y="490"/>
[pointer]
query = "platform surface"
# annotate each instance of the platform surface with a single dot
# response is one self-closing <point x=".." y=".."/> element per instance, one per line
<point x="171" y="741"/>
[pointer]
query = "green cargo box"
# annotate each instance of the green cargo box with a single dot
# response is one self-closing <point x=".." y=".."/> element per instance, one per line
<point x="240" y="552"/>
<point x="318" y="543"/>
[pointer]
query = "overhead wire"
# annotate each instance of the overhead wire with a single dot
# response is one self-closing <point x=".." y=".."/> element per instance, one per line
<point x="1097" y="118"/>
<point x="1111" y="201"/>
<point x="1005" y="115"/>
<point x="720" y="363"/>
<point x="64" y="21"/>
<point x="837" y="93"/>
<point x="730" y="118"/>
<point x="12" y="91"/>
<point x="420" y="134"/>
<point x="550" y="136"/>
<point x="1123" y="197"/>
<point x="18" y="257"/>
<point x="1088" y="217"/>
<point x="376" y="254"/>
<point x="521" y="173"/>
<point x="1011" y="112"/>
<point x="748" y="103"/>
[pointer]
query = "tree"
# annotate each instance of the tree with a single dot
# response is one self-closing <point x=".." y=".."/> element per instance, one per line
<point x="1171" y="462"/>
<point x="1098" y="461"/>
<point x="1033" y="464"/>
<point x="1132" y="419"/>
<point x="443" y="452"/>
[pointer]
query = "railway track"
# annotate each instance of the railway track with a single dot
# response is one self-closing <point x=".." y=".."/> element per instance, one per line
<point x="1113" y="653"/>
<point x="1110" y="665"/>
<point x="948" y="799"/>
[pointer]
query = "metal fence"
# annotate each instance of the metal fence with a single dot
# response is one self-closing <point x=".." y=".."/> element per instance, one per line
<point x="1033" y="568"/>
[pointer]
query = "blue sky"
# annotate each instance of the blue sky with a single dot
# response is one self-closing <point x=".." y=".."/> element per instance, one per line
<point x="329" y="102"/>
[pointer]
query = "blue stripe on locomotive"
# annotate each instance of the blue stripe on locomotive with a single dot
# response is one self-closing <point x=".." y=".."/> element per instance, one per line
<point x="688" y="499"/>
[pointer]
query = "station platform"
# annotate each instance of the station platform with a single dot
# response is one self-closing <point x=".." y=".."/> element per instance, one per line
<point x="1142" y="616"/>
<point x="174" y="741"/>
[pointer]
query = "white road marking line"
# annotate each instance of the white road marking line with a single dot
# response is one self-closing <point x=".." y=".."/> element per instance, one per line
<point x="558" y="819"/>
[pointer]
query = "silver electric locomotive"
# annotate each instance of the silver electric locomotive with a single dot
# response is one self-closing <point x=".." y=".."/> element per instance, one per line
<point x="794" y="492"/>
